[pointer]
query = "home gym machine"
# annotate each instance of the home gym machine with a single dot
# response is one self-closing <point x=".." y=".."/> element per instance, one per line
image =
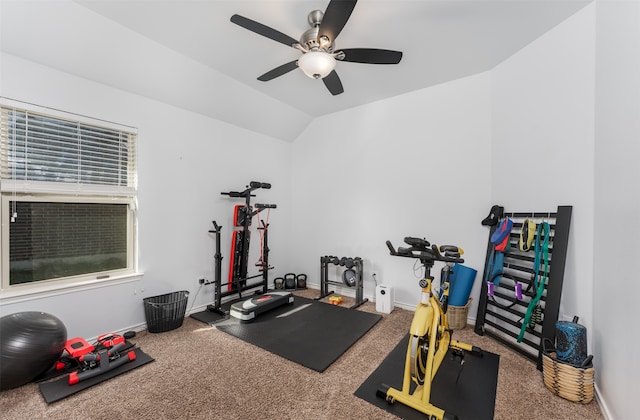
<point x="351" y="276"/>
<point x="248" y="309"/>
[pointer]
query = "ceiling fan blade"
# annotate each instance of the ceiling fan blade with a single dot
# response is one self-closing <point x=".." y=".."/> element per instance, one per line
<point x="333" y="83"/>
<point x="335" y="17"/>
<point x="371" y="56"/>
<point x="279" y="71"/>
<point x="263" y="30"/>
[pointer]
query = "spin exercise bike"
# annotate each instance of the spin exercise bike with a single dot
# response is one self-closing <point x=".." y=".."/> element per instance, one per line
<point x="430" y="336"/>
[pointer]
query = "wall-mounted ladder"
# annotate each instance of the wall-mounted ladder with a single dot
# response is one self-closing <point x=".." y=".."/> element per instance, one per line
<point x="501" y="315"/>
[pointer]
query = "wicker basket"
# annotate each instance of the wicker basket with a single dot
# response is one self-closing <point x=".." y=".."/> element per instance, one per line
<point x="564" y="379"/>
<point x="457" y="316"/>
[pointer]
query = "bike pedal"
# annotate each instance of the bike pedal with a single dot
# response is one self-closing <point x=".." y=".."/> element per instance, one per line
<point x="458" y="354"/>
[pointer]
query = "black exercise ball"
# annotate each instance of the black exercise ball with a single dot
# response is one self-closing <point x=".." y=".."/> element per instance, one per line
<point x="30" y="343"/>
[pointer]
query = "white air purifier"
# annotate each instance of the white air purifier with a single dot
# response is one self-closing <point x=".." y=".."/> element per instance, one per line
<point x="384" y="299"/>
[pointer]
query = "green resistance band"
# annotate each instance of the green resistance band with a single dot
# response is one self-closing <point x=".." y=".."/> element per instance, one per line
<point x="541" y="251"/>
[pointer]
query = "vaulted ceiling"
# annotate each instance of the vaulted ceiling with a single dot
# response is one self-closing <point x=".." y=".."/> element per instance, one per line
<point x="189" y="54"/>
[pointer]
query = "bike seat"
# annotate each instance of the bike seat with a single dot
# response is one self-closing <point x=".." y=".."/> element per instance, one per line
<point x="451" y="251"/>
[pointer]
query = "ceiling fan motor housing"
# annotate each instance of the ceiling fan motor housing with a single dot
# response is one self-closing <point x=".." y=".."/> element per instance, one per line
<point x="309" y="38"/>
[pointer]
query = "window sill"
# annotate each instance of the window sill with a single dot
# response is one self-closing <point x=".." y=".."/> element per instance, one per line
<point x="41" y="292"/>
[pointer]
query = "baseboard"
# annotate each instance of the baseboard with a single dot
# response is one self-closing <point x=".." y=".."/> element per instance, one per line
<point x="602" y="404"/>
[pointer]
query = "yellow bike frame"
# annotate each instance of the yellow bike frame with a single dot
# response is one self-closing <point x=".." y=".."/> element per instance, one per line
<point x="430" y="325"/>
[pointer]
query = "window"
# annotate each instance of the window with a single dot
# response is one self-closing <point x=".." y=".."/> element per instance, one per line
<point x="68" y="186"/>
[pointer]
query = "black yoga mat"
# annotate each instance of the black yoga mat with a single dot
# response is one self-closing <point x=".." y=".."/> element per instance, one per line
<point x="311" y="333"/>
<point x="59" y="389"/>
<point x="472" y="397"/>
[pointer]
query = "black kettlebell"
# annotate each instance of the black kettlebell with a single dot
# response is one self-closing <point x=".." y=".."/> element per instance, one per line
<point x="290" y="281"/>
<point x="301" y="280"/>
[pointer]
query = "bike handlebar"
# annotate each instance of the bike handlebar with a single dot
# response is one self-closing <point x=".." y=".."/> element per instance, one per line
<point x="424" y="251"/>
<point x="253" y="185"/>
<point x="236" y="194"/>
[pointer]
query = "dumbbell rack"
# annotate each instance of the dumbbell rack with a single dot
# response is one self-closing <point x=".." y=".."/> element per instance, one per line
<point x="355" y="263"/>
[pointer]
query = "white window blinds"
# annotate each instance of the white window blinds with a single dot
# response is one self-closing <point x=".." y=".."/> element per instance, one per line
<point x="43" y="152"/>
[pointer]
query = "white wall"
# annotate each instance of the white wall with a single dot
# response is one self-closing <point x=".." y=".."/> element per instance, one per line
<point x="617" y="206"/>
<point x="543" y="142"/>
<point x="413" y="165"/>
<point x="185" y="161"/>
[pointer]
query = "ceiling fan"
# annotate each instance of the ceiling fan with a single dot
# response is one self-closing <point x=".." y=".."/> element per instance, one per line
<point x="319" y="55"/>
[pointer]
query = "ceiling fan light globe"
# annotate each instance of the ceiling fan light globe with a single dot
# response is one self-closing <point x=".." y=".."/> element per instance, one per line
<point x="317" y="64"/>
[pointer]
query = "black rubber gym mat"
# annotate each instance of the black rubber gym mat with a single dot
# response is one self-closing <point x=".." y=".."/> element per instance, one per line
<point x="472" y="397"/>
<point x="308" y="332"/>
<point x="59" y="389"/>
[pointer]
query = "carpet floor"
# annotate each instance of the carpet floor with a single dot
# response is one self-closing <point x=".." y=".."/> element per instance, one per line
<point x="200" y="372"/>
